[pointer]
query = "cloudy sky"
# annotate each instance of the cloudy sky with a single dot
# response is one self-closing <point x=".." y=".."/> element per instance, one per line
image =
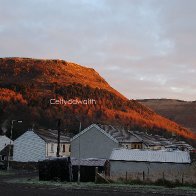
<point x="143" y="48"/>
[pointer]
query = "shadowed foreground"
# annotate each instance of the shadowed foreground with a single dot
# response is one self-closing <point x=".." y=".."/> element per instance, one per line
<point x="10" y="189"/>
<point x="19" y="183"/>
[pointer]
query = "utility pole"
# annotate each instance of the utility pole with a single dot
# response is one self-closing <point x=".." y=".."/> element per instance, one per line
<point x="79" y="154"/>
<point x="58" y="137"/>
<point x="11" y="133"/>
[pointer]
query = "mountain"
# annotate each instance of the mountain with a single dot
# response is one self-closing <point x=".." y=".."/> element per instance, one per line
<point x="27" y="85"/>
<point x="182" y="112"/>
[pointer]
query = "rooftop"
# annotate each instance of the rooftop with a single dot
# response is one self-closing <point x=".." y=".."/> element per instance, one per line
<point x="52" y="135"/>
<point x="88" y="162"/>
<point x="5" y="151"/>
<point x="120" y="134"/>
<point x="162" y="156"/>
<point x="126" y="136"/>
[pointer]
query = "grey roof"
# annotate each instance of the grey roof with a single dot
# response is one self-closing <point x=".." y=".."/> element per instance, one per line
<point x="88" y="162"/>
<point x="148" y="139"/>
<point x="126" y="136"/>
<point x="4" y="140"/>
<point x="162" y="156"/>
<point x="5" y="151"/>
<point x="120" y="134"/>
<point x="66" y="158"/>
<point x="51" y="135"/>
<point x="100" y="129"/>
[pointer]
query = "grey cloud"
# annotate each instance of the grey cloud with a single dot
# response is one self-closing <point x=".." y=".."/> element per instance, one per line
<point x="144" y="48"/>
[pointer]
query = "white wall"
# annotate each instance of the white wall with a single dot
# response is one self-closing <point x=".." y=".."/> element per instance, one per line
<point x="52" y="153"/>
<point x="4" y="141"/>
<point x="29" y="147"/>
<point x="153" y="171"/>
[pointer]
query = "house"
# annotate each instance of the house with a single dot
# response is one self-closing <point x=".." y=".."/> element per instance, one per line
<point x="150" y="164"/>
<point x="4" y="143"/>
<point x="133" y="139"/>
<point x="35" y="145"/>
<point x="125" y="138"/>
<point x="93" y="142"/>
<point x="142" y="140"/>
<point x="148" y="140"/>
<point x="6" y="153"/>
<point x="98" y="141"/>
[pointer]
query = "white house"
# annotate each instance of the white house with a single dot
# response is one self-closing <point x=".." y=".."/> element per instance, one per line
<point x="35" y="145"/>
<point x="4" y="142"/>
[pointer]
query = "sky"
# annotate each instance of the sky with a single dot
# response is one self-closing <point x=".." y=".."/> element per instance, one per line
<point x="142" y="48"/>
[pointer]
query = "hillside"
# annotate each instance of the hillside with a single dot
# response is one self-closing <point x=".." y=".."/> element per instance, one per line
<point x="27" y="85"/>
<point x="182" y="112"/>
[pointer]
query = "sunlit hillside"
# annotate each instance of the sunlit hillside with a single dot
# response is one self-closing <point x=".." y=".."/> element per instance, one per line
<point x="27" y="85"/>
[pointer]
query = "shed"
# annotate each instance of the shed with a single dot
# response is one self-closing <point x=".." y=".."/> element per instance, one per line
<point x="88" y="168"/>
<point x="136" y="163"/>
<point x="55" y="169"/>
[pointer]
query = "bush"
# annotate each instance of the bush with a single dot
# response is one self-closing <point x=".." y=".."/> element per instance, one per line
<point x="166" y="183"/>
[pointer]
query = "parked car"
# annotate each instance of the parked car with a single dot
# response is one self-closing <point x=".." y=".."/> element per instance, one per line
<point x="3" y="166"/>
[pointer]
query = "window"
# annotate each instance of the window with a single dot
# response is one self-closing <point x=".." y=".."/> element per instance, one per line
<point x="63" y="147"/>
<point x="52" y="147"/>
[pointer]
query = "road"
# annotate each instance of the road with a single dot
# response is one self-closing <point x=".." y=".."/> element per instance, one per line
<point x="20" y="189"/>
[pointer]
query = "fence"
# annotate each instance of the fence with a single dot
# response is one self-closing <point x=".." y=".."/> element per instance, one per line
<point x="185" y="174"/>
